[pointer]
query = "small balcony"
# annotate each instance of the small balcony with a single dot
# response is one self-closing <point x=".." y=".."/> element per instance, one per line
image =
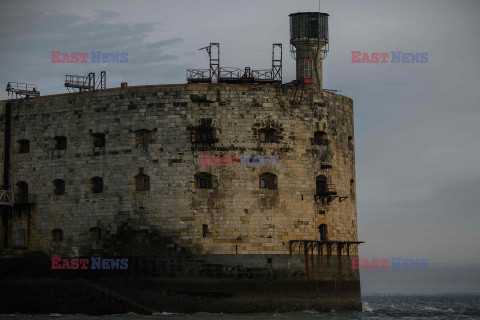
<point x="327" y="190"/>
<point x="6" y="198"/>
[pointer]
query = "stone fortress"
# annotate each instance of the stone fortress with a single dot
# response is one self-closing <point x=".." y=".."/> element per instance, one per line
<point x="160" y="170"/>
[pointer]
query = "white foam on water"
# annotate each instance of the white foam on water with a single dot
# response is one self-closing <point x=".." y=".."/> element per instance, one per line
<point x="430" y="309"/>
<point x="366" y="308"/>
<point x="124" y="314"/>
<point x="162" y="313"/>
<point x="310" y="311"/>
<point x="55" y="315"/>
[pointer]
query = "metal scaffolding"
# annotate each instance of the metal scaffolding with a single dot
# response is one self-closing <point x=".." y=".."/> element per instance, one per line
<point x="22" y="89"/>
<point x="86" y="83"/>
<point x="218" y="74"/>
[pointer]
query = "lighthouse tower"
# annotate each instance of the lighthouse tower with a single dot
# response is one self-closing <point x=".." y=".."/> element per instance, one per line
<point x="309" y="46"/>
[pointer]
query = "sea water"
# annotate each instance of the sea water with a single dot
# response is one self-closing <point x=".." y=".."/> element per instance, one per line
<point x="374" y="307"/>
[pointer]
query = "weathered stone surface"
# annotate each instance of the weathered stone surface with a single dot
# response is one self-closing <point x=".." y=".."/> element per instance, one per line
<point x="241" y="217"/>
<point x="186" y="283"/>
<point x="221" y="249"/>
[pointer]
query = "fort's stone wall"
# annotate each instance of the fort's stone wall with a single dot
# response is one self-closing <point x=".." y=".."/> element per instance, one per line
<point x="186" y="283"/>
<point x="268" y="267"/>
<point x="240" y="217"/>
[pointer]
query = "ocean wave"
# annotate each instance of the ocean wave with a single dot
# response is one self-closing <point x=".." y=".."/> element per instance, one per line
<point x="124" y="314"/>
<point x="430" y="309"/>
<point x="366" y="308"/>
<point x="162" y="313"/>
<point x="310" y="311"/>
<point x="55" y="315"/>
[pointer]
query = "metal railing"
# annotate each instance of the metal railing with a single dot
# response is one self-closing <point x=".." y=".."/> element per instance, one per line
<point x="230" y="73"/>
<point x="22" y="89"/>
<point x="236" y="75"/>
<point x="321" y="141"/>
<point x="6" y="197"/>
<point x="309" y="246"/>
<point x="19" y="86"/>
<point x="198" y="75"/>
<point x="327" y="190"/>
<point x="86" y="82"/>
<point x="266" y="74"/>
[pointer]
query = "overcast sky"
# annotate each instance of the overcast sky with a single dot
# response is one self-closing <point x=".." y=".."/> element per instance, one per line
<point x="416" y="125"/>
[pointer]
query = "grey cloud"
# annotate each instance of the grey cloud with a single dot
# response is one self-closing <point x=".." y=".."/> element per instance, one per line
<point x="106" y="14"/>
<point x="162" y="43"/>
<point x="71" y="33"/>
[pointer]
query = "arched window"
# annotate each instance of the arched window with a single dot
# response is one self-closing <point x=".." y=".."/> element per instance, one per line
<point x="321" y="185"/>
<point x="23" y="146"/>
<point x="268" y="181"/>
<point x="97" y="184"/>
<point x="143" y="137"/>
<point x="320" y="138"/>
<point x="142" y="182"/>
<point x="21" y="192"/>
<point x="350" y="143"/>
<point x="60" y="143"/>
<point x="205" y="232"/>
<point x="352" y="188"/>
<point x="99" y="140"/>
<point x="95" y="233"/>
<point x="57" y="235"/>
<point x="203" y="135"/>
<point x="203" y="180"/>
<point x="59" y="187"/>
<point x="20" y="237"/>
<point x="322" y="229"/>
<point x="267" y="135"/>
